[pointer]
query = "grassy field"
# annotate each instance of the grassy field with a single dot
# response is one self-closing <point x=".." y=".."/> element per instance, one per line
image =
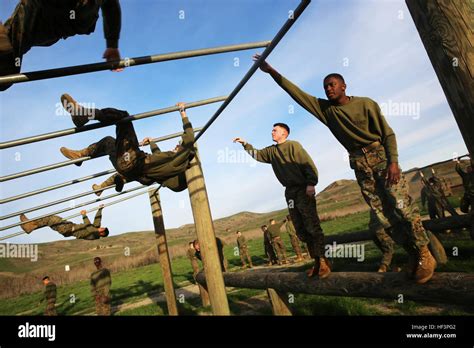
<point x="142" y="283"/>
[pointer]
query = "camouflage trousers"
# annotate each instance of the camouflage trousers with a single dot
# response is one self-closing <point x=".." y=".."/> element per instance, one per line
<point x="304" y="216"/>
<point x="102" y="304"/>
<point x="50" y="308"/>
<point x="195" y="266"/>
<point x="392" y="206"/>
<point x="279" y="248"/>
<point x="382" y="239"/>
<point x="295" y="243"/>
<point x="435" y="210"/>
<point x="66" y="228"/>
<point x="245" y="256"/>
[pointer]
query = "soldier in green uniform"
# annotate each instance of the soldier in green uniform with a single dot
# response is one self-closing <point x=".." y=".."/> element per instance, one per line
<point x="49" y="296"/>
<point x="467" y="201"/>
<point x="44" y="22"/>
<point x="101" y="281"/>
<point x="268" y="247"/>
<point x="220" y="251"/>
<point x="86" y="230"/>
<point x="361" y="128"/>
<point x="191" y="253"/>
<point x="296" y="171"/>
<point x="132" y="164"/>
<point x="430" y="195"/>
<point x="243" y="250"/>
<point x="295" y="243"/>
<point x="275" y="235"/>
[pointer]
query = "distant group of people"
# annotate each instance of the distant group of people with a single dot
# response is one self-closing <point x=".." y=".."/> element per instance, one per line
<point x="100" y="281"/>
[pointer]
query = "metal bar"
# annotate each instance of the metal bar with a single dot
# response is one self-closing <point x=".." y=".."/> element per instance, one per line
<point x="69" y="162"/>
<point x="55" y="187"/>
<point x="76" y="206"/>
<point x="288" y="24"/>
<point x="125" y="63"/>
<point x="88" y="211"/>
<point x="69" y="131"/>
<point x="433" y="164"/>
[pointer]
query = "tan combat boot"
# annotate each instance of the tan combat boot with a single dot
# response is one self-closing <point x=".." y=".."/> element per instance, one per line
<point x="426" y="265"/>
<point x="382" y="268"/>
<point x="29" y="226"/>
<point x="74" y="154"/>
<point x="321" y="268"/>
<point x="79" y="114"/>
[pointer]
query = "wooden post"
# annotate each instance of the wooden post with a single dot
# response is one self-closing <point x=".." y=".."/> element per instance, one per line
<point x="207" y="238"/>
<point x="163" y="253"/>
<point x="445" y="27"/>
<point x="279" y="302"/>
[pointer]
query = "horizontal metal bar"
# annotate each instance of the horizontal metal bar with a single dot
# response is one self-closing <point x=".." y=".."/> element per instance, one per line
<point x="281" y="33"/>
<point x="76" y="206"/>
<point x="55" y="187"/>
<point x="70" y="162"/>
<point x="125" y="63"/>
<point x="88" y="211"/>
<point x="69" y="131"/>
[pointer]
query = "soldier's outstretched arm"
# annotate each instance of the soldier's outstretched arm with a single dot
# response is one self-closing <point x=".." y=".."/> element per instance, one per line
<point x="188" y="136"/>
<point x="262" y="155"/>
<point x="112" y="18"/>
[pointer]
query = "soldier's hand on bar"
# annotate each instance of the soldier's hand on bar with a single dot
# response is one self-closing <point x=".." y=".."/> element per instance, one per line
<point x="83" y="212"/>
<point x="310" y="191"/>
<point x="239" y="140"/>
<point x="182" y="108"/>
<point x="101" y="205"/>
<point x="112" y="54"/>
<point x="393" y="174"/>
<point x="146" y="141"/>
<point x="264" y="66"/>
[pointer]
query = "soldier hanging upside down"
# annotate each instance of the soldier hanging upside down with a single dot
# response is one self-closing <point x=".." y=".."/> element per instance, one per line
<point x="44" y="22"/>
<point x="132" y="164"/>
<point x="86" y="230"/>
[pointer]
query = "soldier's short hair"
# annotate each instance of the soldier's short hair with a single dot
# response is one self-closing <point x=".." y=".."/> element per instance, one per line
<point x="282" y="125"/>
<point x="46" y="277"/>
<point x="191" y="243"/>
<point x="106" y="232"/>
<point x="336" y="76"/>
<point x="271" y="220"/>
<point x="263" y="226"/>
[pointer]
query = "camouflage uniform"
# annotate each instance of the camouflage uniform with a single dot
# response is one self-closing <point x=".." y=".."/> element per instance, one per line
<point x="467" y="201"/>
<point x="382" y="239"/>
<point x="392" y="206"/>
<point x="295" y="243"/>
<point x="439" y="190"/>
<point x="191" y="253"/>
<point x="243" y="251"/>
<point x="268" y="247"/>
<point x="50" y="298"/>
<point x="278" y="245"/>
<point x="435" y="209"/>
<point x="101" y="282"/>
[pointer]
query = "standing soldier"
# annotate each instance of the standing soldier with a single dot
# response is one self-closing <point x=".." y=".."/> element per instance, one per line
<point x="101" y="281"/>
<point x="275" y="235"/>
<point x="436" y="186"/>
<point x="429" y="195"/>
<point x="295" y="243"/>
<point x="220" y="251"/>
<point x="296" y="171"/>
<point x="49" y="296"/>
<point x="43" y="23"/>
<point x="358" y="124"/>
<point x="243" y="250"/>
<point x="467" y="201"/>
<point x="191" y="253"/>
<point x="268" y="246"/>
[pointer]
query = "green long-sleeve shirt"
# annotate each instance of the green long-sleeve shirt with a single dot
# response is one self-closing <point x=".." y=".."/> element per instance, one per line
<point x="49" y="294"/>
<point x="167" y="167"/>
<point x="85" y="17"/>
<point x="88" y="230"/>
<point x="241" y="242"/>
<point x="291" y="163"/>
<point x="467" y="180"/>
<point x="355" y="124"/>
<point x="101" y="281"/>
<point x="274" y="230"/>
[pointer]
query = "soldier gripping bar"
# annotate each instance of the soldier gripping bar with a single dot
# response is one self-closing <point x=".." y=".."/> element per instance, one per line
<point x="125" y="63"/>
<point x="69" y="162"/>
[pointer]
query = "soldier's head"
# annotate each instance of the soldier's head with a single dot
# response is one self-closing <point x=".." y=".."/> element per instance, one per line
<point x="103" y="231"/>
<point x="334" y="87"/>
<point x="264" y="227"/>
<point x="431" y="181"/>
<point x="97" y="262"/>
<point x="280" y="132"/>
<point x="46" y="280"/>
<point x="238" y="233"/>
<point x="191" y="245"/>
<point x="272" y="222"/>
<point x="196" y="245"/>
<point x="177" y="148"/>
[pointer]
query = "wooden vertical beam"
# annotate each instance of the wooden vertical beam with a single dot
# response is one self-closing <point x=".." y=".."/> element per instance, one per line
<point x="163" y="252"/>
<point x="445" y="28"/>
<point x="279" y="302"/>
<point x="207" y="238"/>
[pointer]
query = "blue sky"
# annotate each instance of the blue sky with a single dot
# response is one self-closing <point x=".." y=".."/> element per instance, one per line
<point x="374" y="44"/>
